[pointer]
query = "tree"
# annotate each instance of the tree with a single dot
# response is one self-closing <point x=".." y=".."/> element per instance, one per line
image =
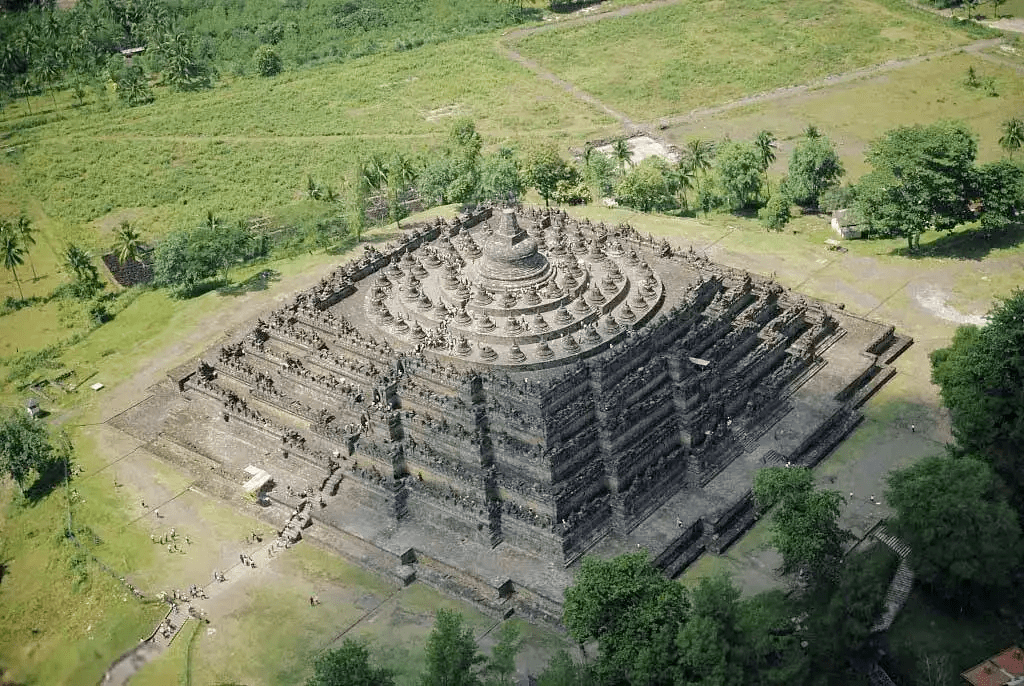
<point x="183" y="260"/>
<point x="11" y="252"/>
<point x="622" y="154"/>
<point x="710" y="644"/>
<point x="1001" y="194"/>
<point x="921" y="178"/>
<point x="738" y="173"/>
<point x="775" y="214"/>
<point x="814" y="168"/>
<point x="23" y="228"/>
<point x="981" y="380"/>
<point x="267" y="61"/>
<point x="647" y="186"/>
<point x="348" y="665"/>
<point x="184" y="68"/>
<point x="501" y="666"/>
<point x="805" y="523"/>
<point x="634" y="613"/>
<point x="78" y="262"/>
<point x="400" y="172"/>
<point x="963" y="535"/>
<point x="771" y="650"/>
<point x="451" y="654"/>
<point x="133" y="87"/>
<point x="995" y="8"/>
<point x="24" y="447"/>
<point x="1013" y="136"/>
<point x="841" y="613"/>
<point x="766" y="144"/>
<point x="562" y="671"/>
<point x="696" y="159"/>
<point x="599" y="173"/>
<point x="127" y="243"/>
<point x="544" y="168"/>
<point x="501" y="177"/>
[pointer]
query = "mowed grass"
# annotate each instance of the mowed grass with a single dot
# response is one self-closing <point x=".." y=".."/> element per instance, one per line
<point x="919" y="94"/>
<point x="693" y="54"/>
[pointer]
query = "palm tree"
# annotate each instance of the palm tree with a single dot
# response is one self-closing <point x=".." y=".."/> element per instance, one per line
<point x="399" y="173"/>
<point x="24" y="230"/>
<point x="812" y="132"/>
<point x="127" y="243"/>
<point x="620" y="151"/>
<point x="79" y="262"/>
<point x="1013" y="136"/>
<point x="765" y="142"/>
<point x="697" y="156"/>
<point x="11" y="251"/>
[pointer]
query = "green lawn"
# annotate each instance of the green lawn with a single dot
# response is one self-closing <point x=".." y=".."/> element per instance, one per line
<point x="918" y="94"/>
<point x="692" y="54"/>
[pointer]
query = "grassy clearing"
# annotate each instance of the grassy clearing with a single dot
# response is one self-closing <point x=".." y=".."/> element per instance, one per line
<point x="258" y="139"/>
<point x="922" y="93"/>
<point x="48" y="577"/>
<point x="688" y="55"/>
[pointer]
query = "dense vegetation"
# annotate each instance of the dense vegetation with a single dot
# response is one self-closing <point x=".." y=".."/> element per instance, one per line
<point x="188" y="41"/>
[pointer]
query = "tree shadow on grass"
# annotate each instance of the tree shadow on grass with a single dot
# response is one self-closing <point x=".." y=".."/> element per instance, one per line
<point x="50" y="476"/>
<point x="256" y="282"/>
<point x="966" y="245"/>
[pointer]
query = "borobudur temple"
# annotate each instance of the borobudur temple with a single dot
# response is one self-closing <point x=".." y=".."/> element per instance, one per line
<point x="485" y="400"/>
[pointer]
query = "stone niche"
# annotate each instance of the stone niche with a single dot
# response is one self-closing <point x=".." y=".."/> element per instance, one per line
<point x="515" y="388"/>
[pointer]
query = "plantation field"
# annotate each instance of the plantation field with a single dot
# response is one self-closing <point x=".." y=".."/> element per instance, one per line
<point x="689" y="55"/>
<point x="923" y="93"/>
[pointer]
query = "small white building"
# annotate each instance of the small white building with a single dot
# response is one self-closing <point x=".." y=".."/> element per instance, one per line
<point x="846" y="223"/>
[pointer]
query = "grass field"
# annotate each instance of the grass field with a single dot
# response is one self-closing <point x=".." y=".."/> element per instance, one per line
<point x="689" y="55"/>
<point x="922" y="93"/>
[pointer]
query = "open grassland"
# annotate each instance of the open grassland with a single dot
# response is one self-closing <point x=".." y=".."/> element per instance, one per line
<point x="689" y="55"/>
<point x="246" y="147"/>
<point x="854" y="114"/>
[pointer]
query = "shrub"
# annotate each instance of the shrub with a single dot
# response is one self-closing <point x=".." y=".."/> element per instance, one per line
<point x="266" y="61"/>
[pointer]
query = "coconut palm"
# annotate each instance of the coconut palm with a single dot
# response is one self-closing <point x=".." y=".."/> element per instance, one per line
<point x="127" y="242"/>
<point x="11" y="252"/>
<point x="79" y="262"/>
<point x="697" y="156"/>
<point x="621" y="153"/>
<point x="765" y="142"/>
<point x="1013" y="136"/>
<point x="23" y="227"/>
<point x="399" y="174"/>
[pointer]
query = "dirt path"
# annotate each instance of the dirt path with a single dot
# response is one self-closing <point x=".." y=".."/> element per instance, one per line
<point x="787" y="92"/>
<point x="506" y="41"/>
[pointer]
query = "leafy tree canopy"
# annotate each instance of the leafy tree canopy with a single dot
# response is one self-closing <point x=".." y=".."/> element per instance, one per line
<point x="737" y="169"/>
<point x="922" y="177"/>
<point x="981" y="380"/>
<point x="775" y="214"/>
<point x="501" y="176"/>
<point x="814" y="167"/>
<point x="544" y="168"/>
<point x="962" y="533"/>
<point x="451" y="656"/>
<point x="647" y="186"/>
<point x="24" y="447"/>
<point x="348" y="665"/>
<point x="633" y="611"/>
<point x="1001" y="190"/>
<point x="805" y="524"/>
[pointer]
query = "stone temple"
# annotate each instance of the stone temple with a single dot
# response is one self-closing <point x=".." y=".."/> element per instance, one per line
<point x="482" y="402"/>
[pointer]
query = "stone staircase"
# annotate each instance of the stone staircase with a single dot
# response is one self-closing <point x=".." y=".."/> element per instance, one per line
<point x="901" y="585"/>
